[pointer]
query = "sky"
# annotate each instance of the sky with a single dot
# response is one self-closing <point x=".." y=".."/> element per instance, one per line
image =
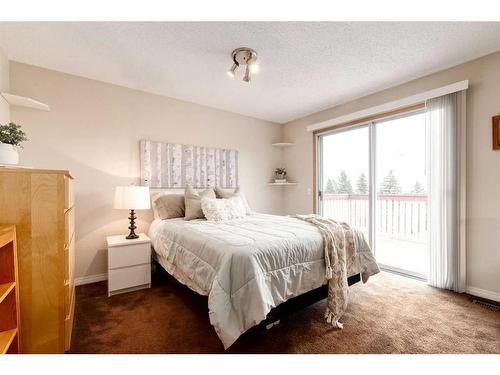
<point x="400" y="146"/>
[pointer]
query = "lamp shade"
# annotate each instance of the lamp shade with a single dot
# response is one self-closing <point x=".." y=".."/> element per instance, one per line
<point x="132" y="197"/>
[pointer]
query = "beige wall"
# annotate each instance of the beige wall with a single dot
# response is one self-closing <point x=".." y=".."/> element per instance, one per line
<point x="4" y="87"/>
<point x="483" y="164"/>
<point x="93" y="129"/>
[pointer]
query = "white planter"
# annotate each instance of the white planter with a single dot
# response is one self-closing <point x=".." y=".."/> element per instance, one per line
<point x="8" y="154"/>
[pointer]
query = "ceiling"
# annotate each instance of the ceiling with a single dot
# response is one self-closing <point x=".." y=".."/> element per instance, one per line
<point x="305" y="67"/>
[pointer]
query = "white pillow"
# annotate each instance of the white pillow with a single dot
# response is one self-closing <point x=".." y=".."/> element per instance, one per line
<point x="223" y="209"/>
<point x="220" y="193"/>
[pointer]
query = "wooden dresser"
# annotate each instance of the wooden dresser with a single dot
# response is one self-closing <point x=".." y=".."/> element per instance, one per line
<point x="40" y="203"/>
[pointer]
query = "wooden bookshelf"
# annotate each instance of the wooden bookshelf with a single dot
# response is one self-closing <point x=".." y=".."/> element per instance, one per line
<point x="9" y="291"/>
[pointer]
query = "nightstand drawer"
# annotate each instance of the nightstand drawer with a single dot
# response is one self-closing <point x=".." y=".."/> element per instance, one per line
<point x="129" y="277"/>
<point x="131" y="255"/>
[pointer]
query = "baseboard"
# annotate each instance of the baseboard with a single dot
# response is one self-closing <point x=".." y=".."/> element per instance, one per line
<point x="493" y="296"/>
<point x="90" y="279"/>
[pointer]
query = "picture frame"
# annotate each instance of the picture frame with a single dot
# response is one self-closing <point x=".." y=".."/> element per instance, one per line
<point x="495" y="123"/>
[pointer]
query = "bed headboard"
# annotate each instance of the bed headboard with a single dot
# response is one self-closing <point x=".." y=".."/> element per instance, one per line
<point x="172" y="165"/>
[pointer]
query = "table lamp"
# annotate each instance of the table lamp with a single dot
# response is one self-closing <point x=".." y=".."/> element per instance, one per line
<point x="132" y="198"/>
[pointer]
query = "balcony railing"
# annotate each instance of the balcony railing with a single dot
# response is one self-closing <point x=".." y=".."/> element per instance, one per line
<point x="400" y="216"/>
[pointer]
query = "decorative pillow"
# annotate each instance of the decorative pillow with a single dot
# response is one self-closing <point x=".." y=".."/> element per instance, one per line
<point x="223" y="209"/>
<point x="223" y="194"/>
<point x="192" y="201"/>
<point x="168" y="206"/>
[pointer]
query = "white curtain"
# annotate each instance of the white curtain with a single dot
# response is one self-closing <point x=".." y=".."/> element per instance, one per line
<point x="445" y="127"/>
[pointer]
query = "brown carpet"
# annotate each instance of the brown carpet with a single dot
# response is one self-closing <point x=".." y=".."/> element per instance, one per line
<point x="389" y="314"/>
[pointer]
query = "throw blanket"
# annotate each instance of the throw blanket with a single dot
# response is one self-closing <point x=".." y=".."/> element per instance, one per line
<point x="341" y="248"/>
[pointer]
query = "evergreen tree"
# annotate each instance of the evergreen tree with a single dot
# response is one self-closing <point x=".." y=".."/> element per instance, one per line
<point x="344" y="185"/>
<point x="390" y="185"/>
<point x="418" y="188"/>
<point x="362" y="184"/>
<point x="331" y="186"/>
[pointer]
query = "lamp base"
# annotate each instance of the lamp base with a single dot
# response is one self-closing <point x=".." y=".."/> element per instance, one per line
<point x="132" y="235"/>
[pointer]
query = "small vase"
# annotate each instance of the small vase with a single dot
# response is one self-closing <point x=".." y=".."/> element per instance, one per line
<point x="8" y="154"/>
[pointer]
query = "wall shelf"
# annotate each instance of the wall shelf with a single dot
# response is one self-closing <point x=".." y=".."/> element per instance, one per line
<point x="23" y="101"/>
<point x="282" y="183"/>
<point x="282" y="144"/>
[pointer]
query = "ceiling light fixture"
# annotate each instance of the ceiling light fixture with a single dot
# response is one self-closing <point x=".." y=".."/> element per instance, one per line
<point x="244" y="57"/>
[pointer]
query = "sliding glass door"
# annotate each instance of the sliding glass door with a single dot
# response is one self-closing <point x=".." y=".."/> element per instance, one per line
<point x="345" y="178"/>
<point x="373" y="177"/>
<point x="401" y="204"/>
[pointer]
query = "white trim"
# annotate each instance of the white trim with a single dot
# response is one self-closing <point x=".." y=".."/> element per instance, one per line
<point x="90" y="279"/>
<point x="372" y="172"/>
<point x="488" y="294"/>
<point x="318" y="204"/>
<point x="390" y="106"/>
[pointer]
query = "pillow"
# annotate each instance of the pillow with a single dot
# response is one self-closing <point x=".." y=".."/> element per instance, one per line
<point x="223" y="209"/>
<point x="168" y="206"/>
<point x="222" y="194"/>
<point x="192" y="201"/>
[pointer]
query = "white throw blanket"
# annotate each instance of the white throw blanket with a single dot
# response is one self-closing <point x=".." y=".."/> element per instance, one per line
<point x="341" y="248"/>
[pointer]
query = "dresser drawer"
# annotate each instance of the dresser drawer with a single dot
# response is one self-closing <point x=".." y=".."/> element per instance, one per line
<point x="69" y="226"/>
<point x="129" y="277"/>
<point x="68" y="324"/>
<point x="69" y="260"/>
<point x="131" y="255"/>
<point x="68" y="295"/>
<point x="69" y="196"/>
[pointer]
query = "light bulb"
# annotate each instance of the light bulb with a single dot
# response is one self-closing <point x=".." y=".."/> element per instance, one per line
<point x="246" y="78"/>
<point x="231" y="71"/>
<point x="254" y="68"/>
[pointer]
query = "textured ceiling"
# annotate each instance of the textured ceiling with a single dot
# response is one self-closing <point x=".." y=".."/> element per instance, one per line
<point x="304" y="66"/>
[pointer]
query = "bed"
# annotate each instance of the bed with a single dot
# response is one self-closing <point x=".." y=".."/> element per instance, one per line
<point x="247" y="266"/>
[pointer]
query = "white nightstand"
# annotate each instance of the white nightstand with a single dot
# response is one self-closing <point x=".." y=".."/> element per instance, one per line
<point x="129" y="264"/>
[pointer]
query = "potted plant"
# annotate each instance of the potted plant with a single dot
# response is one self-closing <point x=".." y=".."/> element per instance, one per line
<point x="280" y="175"/>
<point x="11" y="137"/>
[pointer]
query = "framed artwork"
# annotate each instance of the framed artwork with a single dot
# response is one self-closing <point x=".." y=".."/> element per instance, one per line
<point x="496" y="132"/>
<point x="171" y="165"/>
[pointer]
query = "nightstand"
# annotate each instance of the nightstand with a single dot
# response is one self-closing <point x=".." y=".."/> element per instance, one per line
<point x="129" y="264"/>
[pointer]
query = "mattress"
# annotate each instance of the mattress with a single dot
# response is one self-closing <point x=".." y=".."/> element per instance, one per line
<point x="246" y="267"/>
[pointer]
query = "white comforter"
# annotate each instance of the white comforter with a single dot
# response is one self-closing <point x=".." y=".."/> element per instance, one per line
<point x="246" y="267"/>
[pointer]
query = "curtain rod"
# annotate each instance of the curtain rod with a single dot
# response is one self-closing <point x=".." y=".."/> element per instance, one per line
<point x="410" y="100"/>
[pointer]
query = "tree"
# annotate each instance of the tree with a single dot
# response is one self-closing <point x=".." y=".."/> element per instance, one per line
<point x="362" y="184"/>
<point x="390" y="185"/>
<point x="344" y="185"/>
<point x="418" y="188"/>
<point x="331" y="186"/>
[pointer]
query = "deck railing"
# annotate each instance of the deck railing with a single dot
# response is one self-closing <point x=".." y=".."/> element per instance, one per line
<point x="402" y="216"/>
